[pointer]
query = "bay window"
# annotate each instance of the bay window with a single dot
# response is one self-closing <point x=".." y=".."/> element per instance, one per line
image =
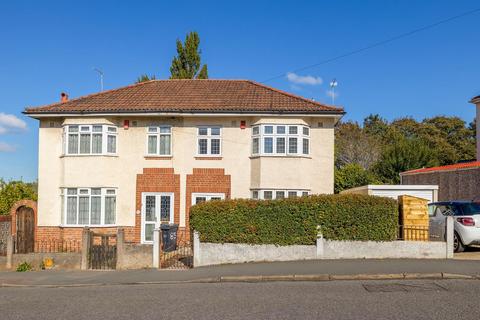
<point x="90" y="139"/>
<point x="159" y="141"/>
<point x="89" y="206"/>
<point x="209" y="141"/>
<point x="280" y="140"/>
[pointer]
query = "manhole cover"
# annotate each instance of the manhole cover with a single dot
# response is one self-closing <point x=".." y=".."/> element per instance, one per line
<point x="403" y="287"/>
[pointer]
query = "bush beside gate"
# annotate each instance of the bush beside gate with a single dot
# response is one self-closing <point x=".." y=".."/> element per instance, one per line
<point x="294" y="221"/>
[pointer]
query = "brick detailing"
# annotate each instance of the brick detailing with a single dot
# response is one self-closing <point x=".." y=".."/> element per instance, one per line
<point x="204" y="180"/>
<point x="13" y="213"/>
<point x="156" y="180"/>
<point x="75" y="233"/>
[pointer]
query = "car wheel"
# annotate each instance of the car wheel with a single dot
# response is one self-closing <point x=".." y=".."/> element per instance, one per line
<point x="457" y="243"/>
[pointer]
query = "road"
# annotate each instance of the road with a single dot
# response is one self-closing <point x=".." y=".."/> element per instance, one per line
<point x="443" y="299"/>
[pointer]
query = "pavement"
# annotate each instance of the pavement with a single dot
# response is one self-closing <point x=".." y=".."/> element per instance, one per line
<point x="316" y="270"/>
<point x="470" y="253"/>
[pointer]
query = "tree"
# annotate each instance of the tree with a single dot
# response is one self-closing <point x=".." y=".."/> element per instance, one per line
<point x="353" y="145"/>
<point x="375" y="125"/>
<point x="353" y="175"/>
<point x="403" y="154"/>
<point x="13" y="191"/>
<point x="187" y="63"/>
<point x="144" y="78"/>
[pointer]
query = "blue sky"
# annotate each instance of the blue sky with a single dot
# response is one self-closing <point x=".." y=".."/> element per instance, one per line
<point x="51" y="46"/>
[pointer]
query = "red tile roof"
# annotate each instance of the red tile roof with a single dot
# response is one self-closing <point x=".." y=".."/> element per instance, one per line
<point x="463" y="165"/>
<point x="189" y="96"/>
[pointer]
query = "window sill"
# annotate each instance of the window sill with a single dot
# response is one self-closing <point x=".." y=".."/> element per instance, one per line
<point x="280" y="156"/>
<point x="88" y="226"/>
<point x="208" y="158"/>
<point x="158" y="157"/>
<point x="88" y="155"/>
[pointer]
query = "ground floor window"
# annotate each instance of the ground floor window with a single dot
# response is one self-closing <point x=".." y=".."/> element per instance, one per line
<point x="278" y="194"/>
<point x="202" y="197"/>
<point x="89" y="206"/>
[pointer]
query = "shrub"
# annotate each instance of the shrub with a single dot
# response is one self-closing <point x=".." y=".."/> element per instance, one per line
<point x="23" y="267"/>
<point x="295" y="221"/>
<point x="13" y="191"/>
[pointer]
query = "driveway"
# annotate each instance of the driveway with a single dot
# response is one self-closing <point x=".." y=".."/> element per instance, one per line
<point x="471" y="253"/>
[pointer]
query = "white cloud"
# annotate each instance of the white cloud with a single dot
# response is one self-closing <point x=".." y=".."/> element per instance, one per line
<point x="332" y="94"/>
<point x="309" y="80"/>
<point x="5" y="147"/>
<point x="10" y="123"/>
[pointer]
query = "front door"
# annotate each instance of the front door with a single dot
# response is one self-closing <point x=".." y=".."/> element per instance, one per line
<point x="157" y="208"/>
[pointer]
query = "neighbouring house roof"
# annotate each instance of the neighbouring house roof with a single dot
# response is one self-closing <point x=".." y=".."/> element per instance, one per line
<point x="457" y="166"/>
<point x="189" y="96"/>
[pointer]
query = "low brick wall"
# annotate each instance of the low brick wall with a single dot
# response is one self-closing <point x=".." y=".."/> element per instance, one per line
<point x="62" y="261"/>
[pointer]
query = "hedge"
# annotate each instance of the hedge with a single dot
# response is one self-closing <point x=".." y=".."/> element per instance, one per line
<point x="295" y="221"/>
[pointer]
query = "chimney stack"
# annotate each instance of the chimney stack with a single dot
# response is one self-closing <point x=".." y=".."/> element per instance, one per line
<point x="63" y="97"/>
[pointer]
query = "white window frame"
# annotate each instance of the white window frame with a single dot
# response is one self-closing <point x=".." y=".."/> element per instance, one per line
<point x="104" y="193"/>
<point x="106" y="132"/>
<point x="157" y="211"/>
<point x="209" y="137"/>
<point x="157" y="134"/>
<point x="208" y="196"/>
<point x="275" y="135"/>
<point x="261" y="193"/>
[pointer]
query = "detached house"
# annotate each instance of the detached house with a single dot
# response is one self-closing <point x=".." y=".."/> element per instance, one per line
<point x="142" y="155"/>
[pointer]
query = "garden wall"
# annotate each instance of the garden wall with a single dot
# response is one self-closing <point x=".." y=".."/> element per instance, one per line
<point x="217" y="253"/>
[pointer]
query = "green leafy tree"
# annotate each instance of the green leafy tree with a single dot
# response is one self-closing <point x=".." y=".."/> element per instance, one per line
<point x="403" y="154"/>
<point x="13" y="191"/>
<point x="353" y="175"/>
<point x="375" y="125"/>
<point x="144" y="78"/>
<point x="187" y="63"/>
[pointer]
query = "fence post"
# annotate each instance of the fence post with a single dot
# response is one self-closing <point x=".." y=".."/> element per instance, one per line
<point x="157" y="248"/>
<point x="196" y="249"/>
<point x="450" y="228"/>
<point x="85" y="248"/>
<point x="319" y="244"/>
<point x="120" y="248"/>
<point x="9" y="252"/>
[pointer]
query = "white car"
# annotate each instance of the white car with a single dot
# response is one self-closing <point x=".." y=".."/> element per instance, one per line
<point x="466" y="216"/>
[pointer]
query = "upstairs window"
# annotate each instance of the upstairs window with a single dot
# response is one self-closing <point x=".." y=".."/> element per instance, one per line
<point x="280" y="140"/>
<point x="90" y="139"/>
<point x="159" y="141"/>
<point x="209" y="141"/>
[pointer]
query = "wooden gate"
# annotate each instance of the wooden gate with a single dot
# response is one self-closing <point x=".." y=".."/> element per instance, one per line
<point x="103" y="251"/>
<point x="25" y="228"/>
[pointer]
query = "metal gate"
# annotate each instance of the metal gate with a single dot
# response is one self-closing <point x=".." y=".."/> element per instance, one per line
<point x="102" y="251"/>
<point x="177" y="251"/>
<point x="25" y="226"/>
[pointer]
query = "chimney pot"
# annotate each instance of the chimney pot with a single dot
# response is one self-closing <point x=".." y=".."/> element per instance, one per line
<point x="63" y="97"/>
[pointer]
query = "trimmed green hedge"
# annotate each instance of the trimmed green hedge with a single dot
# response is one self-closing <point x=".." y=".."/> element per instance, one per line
<point x="295" y="221"/>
